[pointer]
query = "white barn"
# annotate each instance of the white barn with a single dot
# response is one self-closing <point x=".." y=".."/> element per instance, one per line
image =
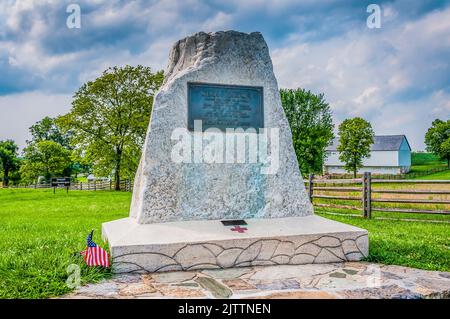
<point x="390" y="154"/>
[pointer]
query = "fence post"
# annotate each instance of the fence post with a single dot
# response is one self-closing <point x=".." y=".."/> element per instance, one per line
<point x="311" y="187"/>
<point x="367" y="203"/>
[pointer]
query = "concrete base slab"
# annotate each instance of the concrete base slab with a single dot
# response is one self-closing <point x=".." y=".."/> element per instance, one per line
<point x="191" y="245"/>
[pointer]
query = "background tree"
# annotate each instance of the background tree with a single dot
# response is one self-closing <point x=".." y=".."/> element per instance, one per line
<point x="355" y="138"/>
<point x="109" y="119"/>
<point x="311" y="123"/>
<point x="14" y="176"/>
<point x="47" y="129"/>
<point x="44" y="158"/>
<point x="437" y="139"/>
<point x="9" y="162"/>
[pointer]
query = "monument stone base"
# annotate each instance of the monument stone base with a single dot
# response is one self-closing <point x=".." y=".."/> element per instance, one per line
<point x="208" y="244"/>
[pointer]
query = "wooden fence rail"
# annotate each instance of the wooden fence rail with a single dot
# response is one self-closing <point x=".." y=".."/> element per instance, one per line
<point x="396" y="177"/>
<point x="363" y="186"/>
<point x="126" y="185"/>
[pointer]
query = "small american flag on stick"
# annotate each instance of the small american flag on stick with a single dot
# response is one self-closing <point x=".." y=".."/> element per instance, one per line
<point x="95" y="255"/>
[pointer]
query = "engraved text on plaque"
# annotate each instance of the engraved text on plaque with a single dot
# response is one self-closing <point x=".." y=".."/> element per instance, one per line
<point x="225" y="106"/>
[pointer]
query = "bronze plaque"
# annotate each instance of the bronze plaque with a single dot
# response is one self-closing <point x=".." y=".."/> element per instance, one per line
<point x="225" y="106"/>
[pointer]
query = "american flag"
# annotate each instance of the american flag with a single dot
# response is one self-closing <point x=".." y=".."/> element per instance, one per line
<point x="95" y="255"/>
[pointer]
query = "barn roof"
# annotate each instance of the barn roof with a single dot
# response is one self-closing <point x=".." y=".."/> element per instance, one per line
<point x="381" y="143"/>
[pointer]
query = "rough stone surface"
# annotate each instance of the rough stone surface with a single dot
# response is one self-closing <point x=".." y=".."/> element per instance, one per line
<point x="166" y="191"/>
<point x="137" y="289"/>
<point x="173" y="277"/>
<point x="176" y="208"/>
<point x="329" y="281"/>
<point x="238" y="284"/>
<point x="216" y="288"/>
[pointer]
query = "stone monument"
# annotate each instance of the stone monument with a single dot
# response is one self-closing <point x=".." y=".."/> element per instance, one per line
<point x="218" y="184"/>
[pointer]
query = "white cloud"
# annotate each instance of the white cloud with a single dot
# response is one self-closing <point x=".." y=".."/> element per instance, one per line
<point x="369" y="100"/>
<point x="395" y="77"/>
<point x="440" y="103"/>
<point x="413" y="117"/>
<point x="219" y="22"/>
<point x="19" y="111"/>
<point x="379" y="76"/>
<point x="398" y="81"/>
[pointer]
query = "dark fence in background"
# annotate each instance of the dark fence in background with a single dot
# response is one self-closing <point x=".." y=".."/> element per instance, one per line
<point x="365" y="200"/>
<point x="391" y="176"/>
<point x="359" y="191"/>
<point x="125" y="185"/>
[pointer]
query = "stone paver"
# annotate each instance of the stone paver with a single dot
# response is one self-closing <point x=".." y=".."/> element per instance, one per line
<point x="329" y="281"/>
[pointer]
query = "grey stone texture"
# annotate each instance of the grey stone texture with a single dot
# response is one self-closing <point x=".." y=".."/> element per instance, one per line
<point x="165" y="191"/>
<point x="349" y="280"/>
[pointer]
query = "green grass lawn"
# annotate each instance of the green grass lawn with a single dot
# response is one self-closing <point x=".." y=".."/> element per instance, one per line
<point x="440" y="175"/>
<point x="40" y="232"/>
<point x="422" y="162"/>
<point x="421" y="245"/>
<point x="426" y="159"/>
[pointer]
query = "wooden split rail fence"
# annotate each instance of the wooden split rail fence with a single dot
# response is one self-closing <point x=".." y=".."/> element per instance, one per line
<point x="125" y="185"/>
<point x="368" y="202"/>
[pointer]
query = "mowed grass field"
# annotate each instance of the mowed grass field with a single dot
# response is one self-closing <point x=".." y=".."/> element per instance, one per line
<point x="425" y="162"/>
<point x="424" y="158"/>
<point x="415" y="240"/>
<point x="436" y="176"/>
<point x="40" y="233"/>
<point x="424" y="245"/>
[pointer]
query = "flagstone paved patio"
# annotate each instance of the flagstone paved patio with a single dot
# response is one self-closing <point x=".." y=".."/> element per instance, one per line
<point x="340" y="280"/>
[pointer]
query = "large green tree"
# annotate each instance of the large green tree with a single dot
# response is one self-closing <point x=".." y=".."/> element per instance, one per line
<point x="109" y="119"/>
<point x="47" y="129"/>
<point x="355" y="138"/>
<point x="437" y="139"/>
<point x="311" y="123"/>
<point x="44" y="158"/>
<point x="9" y="162"/>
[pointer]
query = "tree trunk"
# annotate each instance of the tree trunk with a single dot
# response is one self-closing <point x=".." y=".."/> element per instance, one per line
<point x="6" y="177"/>
<point x="117" y="172"/>
<point x="117" y="180"/>
<point x="47" y="174"/>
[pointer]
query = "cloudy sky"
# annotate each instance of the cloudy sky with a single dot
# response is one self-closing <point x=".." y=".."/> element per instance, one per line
<point x="397" y="76"/>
